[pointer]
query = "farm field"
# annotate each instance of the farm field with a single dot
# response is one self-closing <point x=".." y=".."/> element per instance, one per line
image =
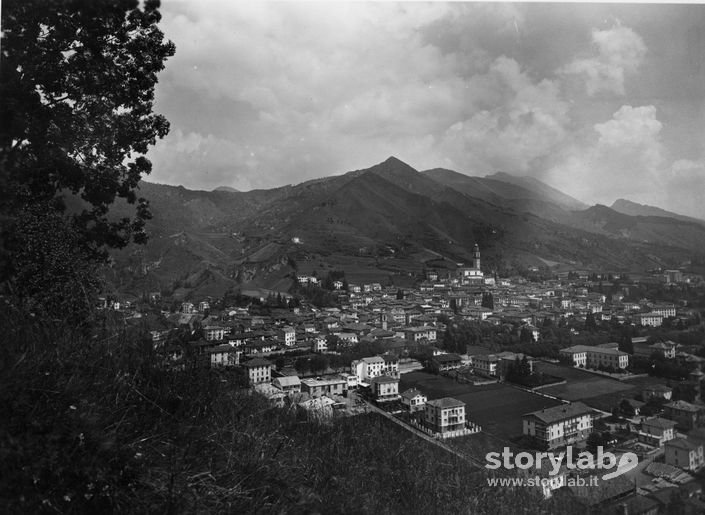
<point x="580" y="385"/>
<point x="636" y="385"/>
<point x="497" y="407"/>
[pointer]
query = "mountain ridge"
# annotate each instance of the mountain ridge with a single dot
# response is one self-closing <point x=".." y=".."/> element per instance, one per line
<point x="384" y="223"/>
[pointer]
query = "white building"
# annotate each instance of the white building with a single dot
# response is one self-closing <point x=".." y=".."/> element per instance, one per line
<point x="444" y="415"/>
<point x="224" y="356"/>
<point x="596" y="356"/>
<point x="214" y="333"/>
<point x="259" y="370"/>
<point x="415" y="334"/>
<point x="288" y="335"/>
<point x="368" y="368"/>
<point x="558" y="426"/>
<point x="649" y="319"/>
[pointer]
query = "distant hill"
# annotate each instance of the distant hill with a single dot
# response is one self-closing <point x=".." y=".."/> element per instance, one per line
<point x="502" y="187"/>
<point x="383" y="224"/>
<point x="632" y="208"/>
<point x="543" y="190"/>
<point x="226" y="188"/>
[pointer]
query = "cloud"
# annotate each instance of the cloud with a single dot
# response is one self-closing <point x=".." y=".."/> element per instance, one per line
<point x="626" y="158"/>
<point x="317" y="88"/>
<point x="262" y="94"/>
<point x="619" y="51"/>
<point x="683" y="187"/>
<point x="526" y="122"/>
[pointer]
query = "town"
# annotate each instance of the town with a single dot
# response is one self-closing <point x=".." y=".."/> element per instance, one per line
<point x="475" y="362"/>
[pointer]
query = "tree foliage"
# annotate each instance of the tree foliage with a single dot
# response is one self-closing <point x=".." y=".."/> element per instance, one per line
<point x="77" y="85"/>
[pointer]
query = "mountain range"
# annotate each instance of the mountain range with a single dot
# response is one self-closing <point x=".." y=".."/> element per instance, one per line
<point x="386" y="224"/>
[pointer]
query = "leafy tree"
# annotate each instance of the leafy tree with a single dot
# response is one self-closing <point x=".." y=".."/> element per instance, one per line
<point x="77" y="85"/>
<point x="318" y="363"/>
<point x="333" y="342"/>
<point x="590" y="323"/>
<point x="488" y="300"/>
<point x="302" y="365"/>
<point x="526" y="335"/>
<point x="626" y="408"/>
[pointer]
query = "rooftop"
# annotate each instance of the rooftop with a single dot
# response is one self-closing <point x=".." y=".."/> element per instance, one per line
<point x="563" y="412"/>
<point x="257" y="362"/>
<point x="446" y="402"/>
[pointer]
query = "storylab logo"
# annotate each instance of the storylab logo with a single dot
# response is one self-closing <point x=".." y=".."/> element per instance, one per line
<point x="584" y="461"/>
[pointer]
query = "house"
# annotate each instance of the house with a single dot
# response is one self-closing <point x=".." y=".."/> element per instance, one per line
<point x="351" y="380"/>
<point x="685" y="414"/>
<point x="648" y="319"/>
<point x="319" y="344"/>
<point x="508" y="359"/>
<point x="444" y="415"/>
<point x="665" y="310"/>
<point x="477" y="312"/>
<point x="657" y="391"/>
<point x="214" y="333"/>
<point x="444" y="362"/>
<point x="287" y="335"/>
<point x="368" y="368"/>
<point x="415" y="334"/>
<point x="413" y="399"/>
<point x="330" y="385"/>
<point x="348" y="338"/>
<point x="385" y="388"/>
<point x="259" y="370"/>
<point x="391" y="365"/>
<point x="223" y="355"/>
<point x="667" y="349"/>
<point x="485" y="364"/>
<point x="684" y="453"/>
<point x="288" y="384"/>
<point x="656" y="431"/>
<point x="558" y="426"/>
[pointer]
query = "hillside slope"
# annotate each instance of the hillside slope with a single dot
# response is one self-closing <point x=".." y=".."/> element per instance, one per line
<point x="383" y="223"/>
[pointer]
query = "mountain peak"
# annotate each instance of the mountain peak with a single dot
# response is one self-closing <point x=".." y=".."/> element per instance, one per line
<point x="392" y="165"/>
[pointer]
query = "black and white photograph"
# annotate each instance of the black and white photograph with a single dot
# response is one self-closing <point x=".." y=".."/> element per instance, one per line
<point x="352" y="257"/>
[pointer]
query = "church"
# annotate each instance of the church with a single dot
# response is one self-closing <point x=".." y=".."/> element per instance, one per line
<point x="472" y="275"/>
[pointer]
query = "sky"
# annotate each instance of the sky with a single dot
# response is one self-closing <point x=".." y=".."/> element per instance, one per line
<point x="602" y="101"/>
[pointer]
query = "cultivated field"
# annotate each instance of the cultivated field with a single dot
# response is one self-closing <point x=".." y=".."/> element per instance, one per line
<point x="580" y="385"/>
<point x="497" y="408"/>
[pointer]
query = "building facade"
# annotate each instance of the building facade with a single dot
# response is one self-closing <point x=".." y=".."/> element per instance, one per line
<point x="443" y="415"/>
<point x="559" y="426"/>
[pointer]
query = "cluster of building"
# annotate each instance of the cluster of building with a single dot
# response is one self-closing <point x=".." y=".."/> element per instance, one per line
<point x="399" y="320"/>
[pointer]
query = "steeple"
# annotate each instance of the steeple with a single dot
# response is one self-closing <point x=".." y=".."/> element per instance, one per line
<point x="476" y="257"/>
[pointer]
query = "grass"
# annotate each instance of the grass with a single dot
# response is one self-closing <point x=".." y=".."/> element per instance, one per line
<point x="497" y="408"/>
<point x="580" y="385"/>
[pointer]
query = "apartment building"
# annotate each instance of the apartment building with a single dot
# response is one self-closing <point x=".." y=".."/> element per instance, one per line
<point x="684" y="453"/>
<point x="443" y="415"/>
<point x="558" y="426"/>
<point x="594" y="357"/>
<point x="259" y="370"/>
